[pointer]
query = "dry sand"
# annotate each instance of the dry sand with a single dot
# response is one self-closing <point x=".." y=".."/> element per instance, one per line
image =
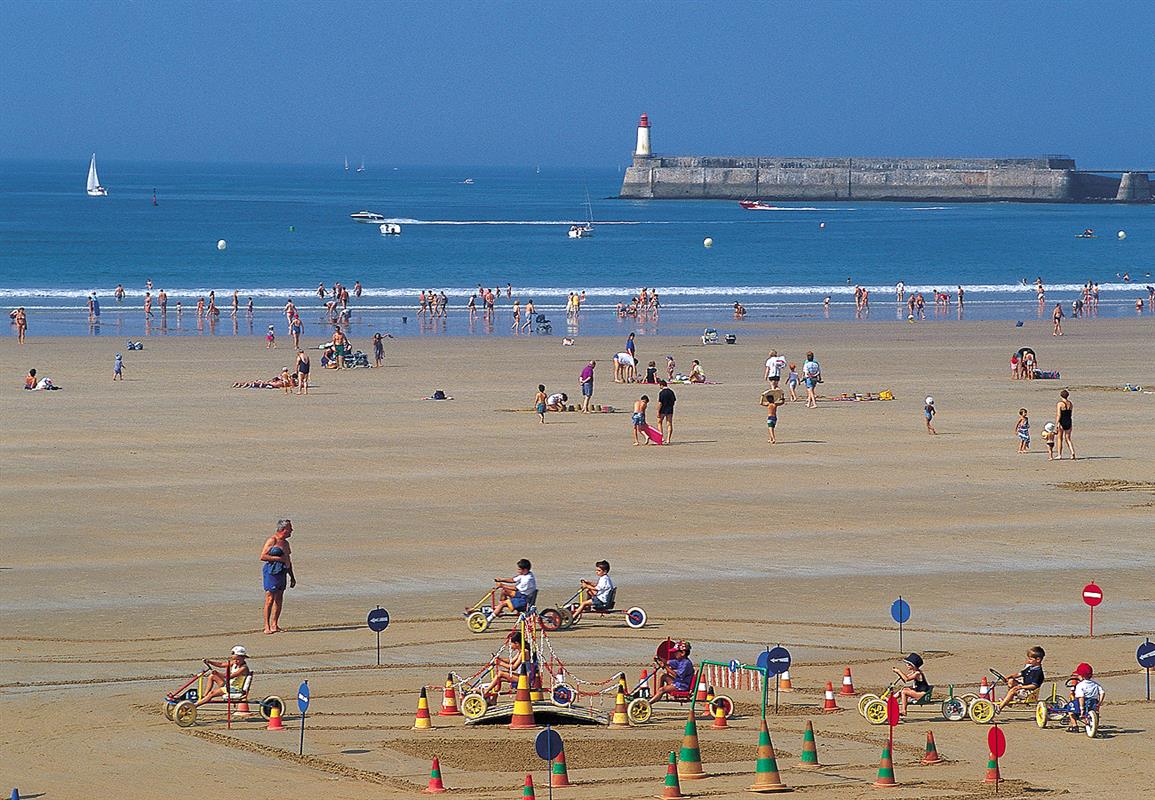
<point x="132" y="515"/>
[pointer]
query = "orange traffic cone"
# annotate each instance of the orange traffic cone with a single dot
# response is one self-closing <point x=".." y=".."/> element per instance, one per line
<point x="719" y="717"/>
<point x="993" y="775"/>
<point x="422" y="722"/>
<point x="522" y="707"/>
<point x="527" y="791"/>
<point x="847" y="684"/>
<point x="809" y="758"/>
<point x="701" y="695"/>
<point x="243" y="707"/>
<point x="766" y="777"/>
<point x="435" y="785"/>
<point x="672" y="789"/>
<point x="784" y="682"/>
<point x="707" y="712"/>
<point x="886" y="769"/>
<point x="932" y="756"/>
<point x="558" y="776"/>
<point x="829" y="704"/>
<point x="275" y="719"/>
<point x="984" y="689"/>
<point x="620" y="719"/>
<point x="690" y="758"/>
<point x="449" y="700"/>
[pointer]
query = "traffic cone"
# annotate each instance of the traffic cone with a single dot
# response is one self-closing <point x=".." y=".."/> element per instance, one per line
<point x="275" y="719"/>
<point x="993" y="775"/>
<point x="449" y="700"/>
<point x="886" y="769"/>
<point x="784" y="682"/>
<point x="984" y="689"/>
<point x="435" y="785"/>
<point x="527" y="791"/>
<point x="522" y="707"/>
<point x="620" y="719"/>
<point x="829" y="704"/>
<point x="422" y="722"/>
<point x="719" y="717"/>
<point x="535" y="694"/>
<point x="672" y="789"/>
<point x="701" y="696"/>
<point x="766" y="778"/>
<point x="243" y="707"/>
<point x="847" y="684"/>
<point x="558" y="777"/>
<point x="809" y="759"/>
<point x="932" y="756"/>
<point x="707" y="713"/>
<point x="690" y="758"/>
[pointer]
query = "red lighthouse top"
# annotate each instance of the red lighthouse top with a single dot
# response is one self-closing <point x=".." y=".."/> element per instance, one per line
<point x="644" y="122"/>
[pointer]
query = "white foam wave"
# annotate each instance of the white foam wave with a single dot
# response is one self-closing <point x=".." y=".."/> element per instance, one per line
<point x="408" y="221"/>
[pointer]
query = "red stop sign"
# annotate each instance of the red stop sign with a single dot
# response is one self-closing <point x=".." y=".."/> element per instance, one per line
<point x="997" y="742"/>
<point x="892" y="710"/>
<point x="1092" y="595"/>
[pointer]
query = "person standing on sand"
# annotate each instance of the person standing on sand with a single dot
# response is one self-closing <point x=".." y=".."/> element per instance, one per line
<point x="639" y="420"/>
<point x="1057" y="318"/>
<point x="277" y="566"/>
<point x="539" y="402"/>
<point x="295" y="330"/>
<point x="666" y="400"/>
<point x="811" y="376"/>
<point x="929" y="411"/>
<point x="302" y="372"/>
<point x="770" y="400"/>
<point x="774" y="366"/>
<point x="1064" y="411"/>
<point x="587" y="385"/>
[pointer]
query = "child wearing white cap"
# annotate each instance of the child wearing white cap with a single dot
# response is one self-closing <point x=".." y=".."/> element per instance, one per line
<point x="231" y="673"/>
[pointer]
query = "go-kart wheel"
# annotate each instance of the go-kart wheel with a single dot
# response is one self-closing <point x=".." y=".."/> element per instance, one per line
<point x="550" y="619"/>
<point x="875" y="712"/>
<point x="269" y="703"/>
<point x="968" y="698"/>
<point x="981" y="711"/>
<point x="954" y="709"/>
<point x="477" y="622"/>
<point x="567" y="618"/>
<point x="1091" y="723"/>
<point x="166" y="707"/>
<point x="185" y="714"/>
<point x="864" y="700"/>
<point x="563" y="695"/>
<point x="639" y="710"/>
<point x="474" y="705"/>
<point x="1042" y="714"/>
<point x="636" y="617"/>
<point x="726" y="704"/>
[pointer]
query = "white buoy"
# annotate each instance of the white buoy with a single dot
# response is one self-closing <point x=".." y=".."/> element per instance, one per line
<point x="821" y="225"/>
<point x="222" y="244"/>
<point x="707" y="242"/>
<point x="1122" y="235"/>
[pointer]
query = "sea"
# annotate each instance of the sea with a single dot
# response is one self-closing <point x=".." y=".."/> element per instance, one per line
<point x="274" y="232"/>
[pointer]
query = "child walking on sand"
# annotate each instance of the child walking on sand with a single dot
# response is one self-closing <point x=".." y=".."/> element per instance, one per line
<point x="539" y="402"/>
<point x="929" y="411"/>
<point x="670" y="365"/>
<point x="271" y="338"/>
<point x="792" y="383"/>
<point x="639" y="420"/>
<point x="1023" y="429"/>
<point x="1049" y="437"/>
<point x="770" y="400"/>
<point x="118" y="368"/>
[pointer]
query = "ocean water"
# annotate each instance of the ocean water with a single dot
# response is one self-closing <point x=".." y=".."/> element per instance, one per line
<point x="287" y="228"/>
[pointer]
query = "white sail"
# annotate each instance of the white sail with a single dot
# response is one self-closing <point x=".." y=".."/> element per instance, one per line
<point x="94" y="187"/>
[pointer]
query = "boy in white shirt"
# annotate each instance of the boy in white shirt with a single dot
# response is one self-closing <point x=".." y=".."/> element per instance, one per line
<point x="1087" y="694"/>
<point x="597" y="594"/>
<point x="517" y="592"/>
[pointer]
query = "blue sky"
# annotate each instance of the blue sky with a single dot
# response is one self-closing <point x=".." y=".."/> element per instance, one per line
<point x="563" y="84"/>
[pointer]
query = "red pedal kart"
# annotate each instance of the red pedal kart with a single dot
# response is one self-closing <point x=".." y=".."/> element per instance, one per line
<point x="180" y="706"/>
<point x="568" y="613"/>
<point x="640" y="707"/>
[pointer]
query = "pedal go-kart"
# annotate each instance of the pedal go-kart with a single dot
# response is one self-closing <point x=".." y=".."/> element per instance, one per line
<point x="983" y="709"/>
<point x="477" y="615"/>
<point x="570" y="612"/>
<point x="873" y="706"/>
<point x="180" y="706"/>
<point x="640" y="708"/>
<point x="1053" y="710"/>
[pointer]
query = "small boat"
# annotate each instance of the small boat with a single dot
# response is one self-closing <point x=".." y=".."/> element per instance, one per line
<point x="390" y="229"/>
<point x="1088" y="233"/>
<point x="755" y="205"/>
<point x="587" y="230"/>
<point x="94" y="187"/>
<point x="346" y="163"/>
<point x="371" y="217"/>
<point x="362" y="167"/>
<point x="468" y="181"/>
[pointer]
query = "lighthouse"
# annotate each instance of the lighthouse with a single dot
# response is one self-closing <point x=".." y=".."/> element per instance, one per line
<point x="643" y="148"/>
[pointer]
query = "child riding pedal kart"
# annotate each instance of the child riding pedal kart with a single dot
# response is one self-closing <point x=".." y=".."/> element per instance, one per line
<point x="597" y="598"/>
<point x="1083" y="706"/>
<point x="517" y="594"/>
<point x="221" y="686"/>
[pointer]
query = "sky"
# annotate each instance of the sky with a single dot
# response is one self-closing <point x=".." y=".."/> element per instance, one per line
<point x="563" y="84"/>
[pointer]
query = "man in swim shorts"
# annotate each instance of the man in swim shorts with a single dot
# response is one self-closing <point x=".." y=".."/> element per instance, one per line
<point x="587" y="384"/>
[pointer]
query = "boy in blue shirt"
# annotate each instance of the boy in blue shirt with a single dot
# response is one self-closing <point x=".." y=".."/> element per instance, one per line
<point x="1029" y="679"/>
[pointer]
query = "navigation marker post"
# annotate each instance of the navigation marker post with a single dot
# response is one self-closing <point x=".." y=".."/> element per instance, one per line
<point x="1092" y="596"/>
<point x="378" y="621"/>
<point x="773" y="661"/>
<point x="1145" y="655"/>
<point x="303" y="706"/>
<point x="900" y="613"/>
<point x="997" y="742"/>
<point x="548" y="745"/>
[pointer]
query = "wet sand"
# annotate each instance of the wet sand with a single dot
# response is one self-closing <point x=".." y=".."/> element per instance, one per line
<point x="132" y="516"/>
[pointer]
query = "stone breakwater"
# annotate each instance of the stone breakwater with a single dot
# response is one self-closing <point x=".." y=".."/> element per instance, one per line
<point x="1040" y="180"/>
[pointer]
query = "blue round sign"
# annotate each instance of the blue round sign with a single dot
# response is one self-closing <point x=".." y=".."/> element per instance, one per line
<point x="548" y="744"/>
<point x="378" y="620"/>
<point x="1146" y="655"/>
<point x="734" y="665"/>
<point x="900" y="611"/>
<point x="775" y="661"/>
<point x="303" y="697"/>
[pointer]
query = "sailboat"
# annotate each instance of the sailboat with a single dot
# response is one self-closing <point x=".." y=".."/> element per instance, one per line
<point x="346" y="163"/>
<point x="94" y="187"/>
<point x="362" y="167"/>
<point x="587" y="230"/>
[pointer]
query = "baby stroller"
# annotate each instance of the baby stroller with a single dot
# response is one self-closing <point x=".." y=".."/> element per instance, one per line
<point x="357" y="360"/>
<point x="543" y="325"/>
<point x="710" y="336"/>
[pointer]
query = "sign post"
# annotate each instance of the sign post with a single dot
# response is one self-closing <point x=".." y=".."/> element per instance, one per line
<point x="303" y="706"/>
<point x="378" y="621"/>
<point x="548" y="745"/>
<point x="900" y="613"/>
<point x="774" y="661"/>
<point x="1092" y="596"/>
<point x="1145" y="655"/>
<point x="998" y="745"/>
<point x="892" y="709"/>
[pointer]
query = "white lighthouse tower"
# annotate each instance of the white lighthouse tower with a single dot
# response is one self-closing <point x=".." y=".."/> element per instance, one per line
<point x="643" y="148"/>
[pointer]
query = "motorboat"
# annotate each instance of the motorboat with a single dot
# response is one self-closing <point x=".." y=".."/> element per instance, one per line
<point x="755" y="205"/>
<point x="1088" y="233"/>
<point x="390" y="229"/>
<point x="94" y="187"/>
<point x="468" y="181"/>
<point x="362" y="167"/>
<point x="370" y="217"/>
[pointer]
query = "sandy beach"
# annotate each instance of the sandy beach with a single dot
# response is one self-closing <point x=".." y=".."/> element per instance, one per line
<point x="132" y="516"/>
